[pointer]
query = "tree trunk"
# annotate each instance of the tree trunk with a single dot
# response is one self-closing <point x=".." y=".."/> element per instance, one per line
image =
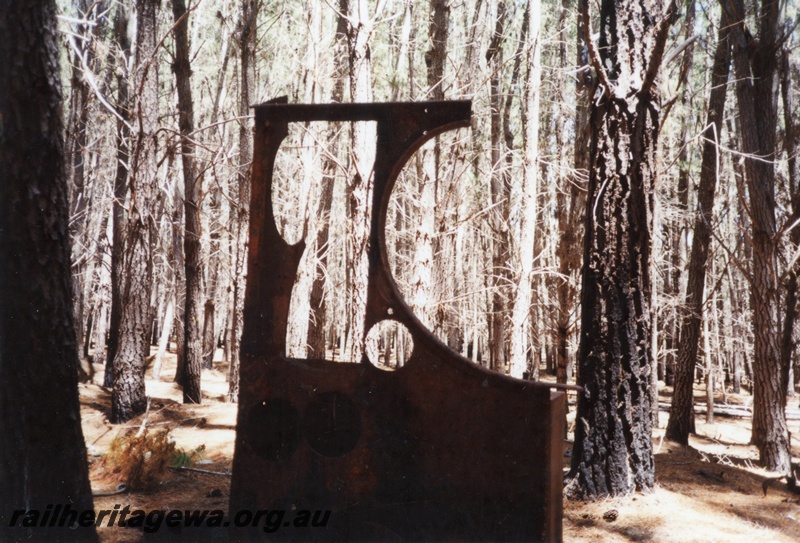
<point x="709" y="370"/>
<point x="675" y="230"/>
<point x="192" y="192"/>
<point x="317" y="304"/>
<point x="163" y="341"/>
<point x="499" y="215"/>
<point x="102" y="264"/>
<point x="681" y="417"/>
<point x="306" y="193"/>
<point x="359" y="189"/>
<point x="214" y="292"/>
<point x="520" y="313"/>
<point x="76" y="144"/>
<point x="128" y="397"/>
<point x="422" y="284"/>
<point x="790" y="317"/>
<point x="178" y="266"/>
<point x="42" y="451"/>
<point x="755" y="61"/>
<point x="209" y="340"/>
<point x="613" y="452"/>
<point x="118" y="220"/>
<point x="247" y="43"/>
<point x="317" y="300"/>
<point x="569" y="218"/>
<point x="103" y="298"/>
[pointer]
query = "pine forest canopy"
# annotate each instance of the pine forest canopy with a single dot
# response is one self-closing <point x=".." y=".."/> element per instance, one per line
<point x="609" y="219"/>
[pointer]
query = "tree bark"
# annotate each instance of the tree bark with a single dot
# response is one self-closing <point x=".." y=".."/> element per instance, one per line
<point x="192" y="193"/>
<point x="128" y="397"/>
<point x="42" y="451"/>
<point x="613" y="451"/>
<point x="681" y="418"/>
<point x="755" y="61"/>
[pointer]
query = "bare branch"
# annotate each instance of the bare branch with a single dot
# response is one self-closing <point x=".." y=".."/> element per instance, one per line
<point x="662" y="33"/>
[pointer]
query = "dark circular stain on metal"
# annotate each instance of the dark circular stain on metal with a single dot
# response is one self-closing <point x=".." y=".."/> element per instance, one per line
<point x="332" y="424"/>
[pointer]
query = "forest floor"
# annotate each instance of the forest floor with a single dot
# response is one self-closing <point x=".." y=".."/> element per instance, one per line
<point x="711" y="491"/>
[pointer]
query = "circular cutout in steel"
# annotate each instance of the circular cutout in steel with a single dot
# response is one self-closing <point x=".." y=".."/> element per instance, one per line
<point x="389" y="345"/>
<point x="332" y="424"/>
<point x="273" y="429"/>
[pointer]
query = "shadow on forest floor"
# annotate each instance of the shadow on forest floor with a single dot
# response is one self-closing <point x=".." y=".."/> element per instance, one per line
<point x="710" y="491"/>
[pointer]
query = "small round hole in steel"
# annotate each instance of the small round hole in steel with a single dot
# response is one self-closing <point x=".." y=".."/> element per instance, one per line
<point x="389" y="345"/>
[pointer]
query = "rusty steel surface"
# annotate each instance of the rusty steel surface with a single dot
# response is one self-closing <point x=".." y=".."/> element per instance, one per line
<point x="441" y="449"/>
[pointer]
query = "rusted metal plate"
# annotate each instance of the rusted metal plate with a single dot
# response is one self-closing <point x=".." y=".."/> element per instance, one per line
<point x="441" y="449"/>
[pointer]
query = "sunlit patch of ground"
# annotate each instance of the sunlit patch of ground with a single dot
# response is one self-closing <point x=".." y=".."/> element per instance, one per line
<point x="709" y="492"/>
